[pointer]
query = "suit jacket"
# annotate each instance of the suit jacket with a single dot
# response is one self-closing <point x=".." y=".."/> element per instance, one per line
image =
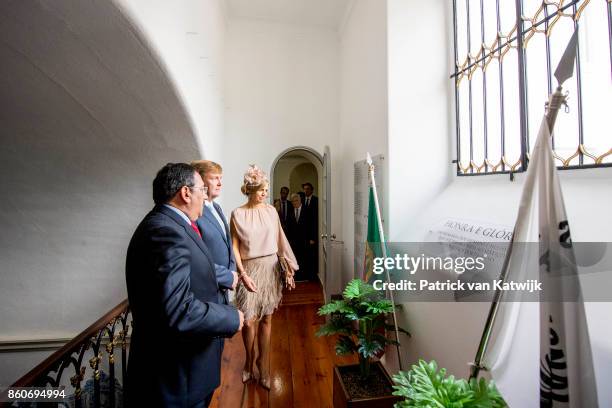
<point x="220" y="246"/>
<point x="300" y="231"/>
<point x="289" y="209"/>
<point x="175" y="350"/>
<point x="313" y="214"/>
<point x="314" y="203"/>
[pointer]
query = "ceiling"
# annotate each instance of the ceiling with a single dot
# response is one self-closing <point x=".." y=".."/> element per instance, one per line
<point x="323" y="13"/>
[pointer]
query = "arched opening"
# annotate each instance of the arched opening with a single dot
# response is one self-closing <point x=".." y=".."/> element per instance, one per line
<point x="88" y="116"/>
<point x="293" y="168"/>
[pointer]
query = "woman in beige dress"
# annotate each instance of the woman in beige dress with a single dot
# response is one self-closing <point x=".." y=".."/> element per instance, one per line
<point x="260" y="248"/>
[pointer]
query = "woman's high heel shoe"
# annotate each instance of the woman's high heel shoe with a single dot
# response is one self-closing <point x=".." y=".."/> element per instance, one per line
<point x="264" y="381"/>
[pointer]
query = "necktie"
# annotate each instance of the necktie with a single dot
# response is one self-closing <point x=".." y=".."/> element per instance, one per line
<point x="308" y="202"/>
<point x="196" y="229"/>
<point x="297" y="215"/>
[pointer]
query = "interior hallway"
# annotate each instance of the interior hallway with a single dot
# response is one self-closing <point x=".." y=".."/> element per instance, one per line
<point x="301" y="363"/>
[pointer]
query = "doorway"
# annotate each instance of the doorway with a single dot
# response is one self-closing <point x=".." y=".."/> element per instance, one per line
<point x="293" y="168"/>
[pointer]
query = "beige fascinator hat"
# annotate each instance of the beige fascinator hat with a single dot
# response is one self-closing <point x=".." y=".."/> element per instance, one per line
<point x="254" y="178"/>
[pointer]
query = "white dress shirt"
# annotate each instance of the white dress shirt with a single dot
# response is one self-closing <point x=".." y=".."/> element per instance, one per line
<point x="209" y="205"/>
<point x="297" y="213"/>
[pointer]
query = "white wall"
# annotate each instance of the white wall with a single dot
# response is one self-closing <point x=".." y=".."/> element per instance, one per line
<point x="89" y="115"/>
<point x="189" y="37"/>
<point x="419" y="145"/>
<point x="419" y="99"/>
<point x="363" y="105"/>
<point x="281" y="91"/>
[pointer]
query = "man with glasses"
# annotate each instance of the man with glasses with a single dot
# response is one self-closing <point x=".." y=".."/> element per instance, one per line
<point x="179" y="314"/>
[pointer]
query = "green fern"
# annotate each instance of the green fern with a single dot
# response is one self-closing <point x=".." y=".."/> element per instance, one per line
<point x="337" y="306"/>
<point x="345" y="345"/>
<point x="356" y="318"/>
<point x="336" y="325"/>
<point x="426" y="386"/>
<point x="357" y="289"/>
<point x="378" y="307"/>
<point x="485" y="394"/>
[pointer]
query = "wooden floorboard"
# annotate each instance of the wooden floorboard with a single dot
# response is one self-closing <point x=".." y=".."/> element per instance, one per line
<point x="305" y="293"/>
<point x="301" y="363"/>
<point x="281" y="392"/>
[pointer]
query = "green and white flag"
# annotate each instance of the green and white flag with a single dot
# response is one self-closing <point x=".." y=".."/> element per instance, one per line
<point x="540" y="354"/>
<point x="373" y="246"/>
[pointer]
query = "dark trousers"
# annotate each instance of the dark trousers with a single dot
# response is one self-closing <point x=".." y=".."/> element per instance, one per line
<point x="299" y="250"/>
<point x="205" y="403"/>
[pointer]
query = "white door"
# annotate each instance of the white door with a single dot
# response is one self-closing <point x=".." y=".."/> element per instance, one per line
<point x="326" y="235"/>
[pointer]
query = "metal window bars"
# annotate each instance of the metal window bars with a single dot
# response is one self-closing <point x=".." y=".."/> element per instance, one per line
<point x="497" y="109"/>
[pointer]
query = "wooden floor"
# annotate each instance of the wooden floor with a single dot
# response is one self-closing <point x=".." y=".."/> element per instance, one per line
<point x="300" y="363"/>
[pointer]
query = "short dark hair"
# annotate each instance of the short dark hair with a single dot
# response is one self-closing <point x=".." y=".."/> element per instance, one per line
<point x="284" y="188"/>
<point x="308" y="184"/>
<point x="170" y="179"/>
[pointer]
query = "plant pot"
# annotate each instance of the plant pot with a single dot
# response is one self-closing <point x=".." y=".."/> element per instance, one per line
<point x="343" y="398"/>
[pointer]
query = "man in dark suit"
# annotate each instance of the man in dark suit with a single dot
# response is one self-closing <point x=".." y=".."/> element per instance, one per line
<point x="299" y="233"/>
<point x="179" y="312"/>
<point x="311" y="201"/>
<point x="214" y="227"/>
<point x="284" y="207"/>
<point x="311" y="207"/>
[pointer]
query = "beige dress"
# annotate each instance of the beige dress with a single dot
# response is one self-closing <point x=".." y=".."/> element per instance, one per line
<point x="262" y="241"/>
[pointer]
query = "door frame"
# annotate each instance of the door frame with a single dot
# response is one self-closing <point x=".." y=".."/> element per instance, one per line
<point x="310" y="150"/>
<point x="319" y="158"/>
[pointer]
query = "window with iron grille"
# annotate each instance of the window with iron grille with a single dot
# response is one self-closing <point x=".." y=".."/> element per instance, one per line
<point x="506" y="52"/>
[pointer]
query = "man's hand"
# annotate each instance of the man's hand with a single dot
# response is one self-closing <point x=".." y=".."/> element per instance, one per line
<point x="249" y="283"/>
<point x="235" y="280"/>
<point x="241" y="317"/>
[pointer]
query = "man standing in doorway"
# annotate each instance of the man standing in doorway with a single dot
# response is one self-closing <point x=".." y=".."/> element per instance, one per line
<point x="311" y="208"/>
<point x="284" y="207"/>
<point x="299" y="235"/>
<point x="311" y="202"/>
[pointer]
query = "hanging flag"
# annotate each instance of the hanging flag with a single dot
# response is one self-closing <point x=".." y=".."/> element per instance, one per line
<point x="373" y="246"/>
<point x="557" y="370"/>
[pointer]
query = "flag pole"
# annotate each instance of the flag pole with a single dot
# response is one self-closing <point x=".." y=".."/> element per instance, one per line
<point x="381" y="233"/>
<point x="564" y="71"/>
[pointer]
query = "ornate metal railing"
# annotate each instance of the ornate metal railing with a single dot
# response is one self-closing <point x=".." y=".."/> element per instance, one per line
<point x="96" y="345"/>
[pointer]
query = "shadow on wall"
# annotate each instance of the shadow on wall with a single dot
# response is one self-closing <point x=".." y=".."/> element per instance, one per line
<point x="87" y="116"/>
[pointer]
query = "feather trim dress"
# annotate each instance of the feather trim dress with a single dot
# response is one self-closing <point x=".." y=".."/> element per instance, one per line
<point x="262" y="241"/>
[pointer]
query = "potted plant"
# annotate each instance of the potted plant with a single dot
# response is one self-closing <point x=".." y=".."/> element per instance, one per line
<point x="427" y="386"/>
<point x="359" y="319"/>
